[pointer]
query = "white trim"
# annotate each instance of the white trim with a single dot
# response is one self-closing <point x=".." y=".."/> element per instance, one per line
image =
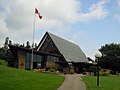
<point x="42" y="43"/>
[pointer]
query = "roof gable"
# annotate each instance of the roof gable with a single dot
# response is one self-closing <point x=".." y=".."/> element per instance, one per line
<point x="70" y="51"/>
<point x="48" y="46"/>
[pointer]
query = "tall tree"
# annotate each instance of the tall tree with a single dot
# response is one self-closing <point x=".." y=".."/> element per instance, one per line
<point x="10" y="42"/>
<point x="5" y="52"/>
<point x="27" y="44"/>
<point x="2" y="53"/>
<point x="111" y="57"/>
<point x="6" y="43"/>
<point x="35" y="46"/>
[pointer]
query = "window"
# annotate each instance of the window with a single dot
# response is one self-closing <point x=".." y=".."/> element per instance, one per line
<point x="37" y="59"/>
<point x="27" y="65"/>
<point x="52" y="58"/>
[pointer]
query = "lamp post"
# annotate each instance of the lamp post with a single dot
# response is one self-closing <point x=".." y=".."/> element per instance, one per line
<point x="98" y="55"/>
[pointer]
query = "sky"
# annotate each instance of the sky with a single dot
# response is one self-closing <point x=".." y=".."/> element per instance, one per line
<point x="87" y="23"/>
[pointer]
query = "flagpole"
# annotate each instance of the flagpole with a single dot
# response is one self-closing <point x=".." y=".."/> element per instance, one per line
<point x="32" y="59"/>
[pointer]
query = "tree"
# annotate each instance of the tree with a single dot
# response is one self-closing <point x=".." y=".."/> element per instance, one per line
<point x="90" y="59"/>
<point x="5" y="52"/>
<point x="111" y="57"/>
<point x="10" y="42"/>
<point x="2" y="53"/>
<point x="27" y="44"/>
<point x="35" y="46"/>
<point x="6" y="43"/>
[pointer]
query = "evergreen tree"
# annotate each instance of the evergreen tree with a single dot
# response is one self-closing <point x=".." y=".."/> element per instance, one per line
<point x="10" y="42"/>
<point x="27" y="44"/>
<point x="111" y="57"/>
<point x="35" y="46"/>
<point x="6" y="43"/>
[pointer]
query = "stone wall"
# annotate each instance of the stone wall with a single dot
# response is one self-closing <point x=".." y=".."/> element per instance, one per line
<point x="51" y="64"/>
<point x="21" y="60"/>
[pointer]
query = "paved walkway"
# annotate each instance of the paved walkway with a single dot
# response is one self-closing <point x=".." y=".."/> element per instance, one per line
<point x="73" y="82"/>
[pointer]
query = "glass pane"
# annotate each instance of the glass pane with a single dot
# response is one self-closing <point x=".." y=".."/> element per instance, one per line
<point x="27" y="65"/>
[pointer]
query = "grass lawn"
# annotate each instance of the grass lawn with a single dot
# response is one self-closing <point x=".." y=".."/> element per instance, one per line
<point x="111" y="82"/>
<point x="14" y="79"/>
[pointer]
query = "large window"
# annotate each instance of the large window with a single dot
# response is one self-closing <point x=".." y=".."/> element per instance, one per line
<point x="52" y="58"/>
<point x="37" y="59"/>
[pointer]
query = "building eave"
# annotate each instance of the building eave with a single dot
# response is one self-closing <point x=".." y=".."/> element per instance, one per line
<point x="15" y="49"/>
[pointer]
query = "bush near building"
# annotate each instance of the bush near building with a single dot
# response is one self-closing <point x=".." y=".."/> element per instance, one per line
<point x="3" y="62"/>
<point x="104" y="72"/>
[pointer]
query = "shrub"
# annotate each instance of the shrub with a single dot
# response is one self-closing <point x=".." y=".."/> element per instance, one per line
<point x="39" y="70"/>
<point x="52" y="70"/>
<point x="93" y="69"/>
<point x="3" y="62"/>
<point x="104" y="72"/>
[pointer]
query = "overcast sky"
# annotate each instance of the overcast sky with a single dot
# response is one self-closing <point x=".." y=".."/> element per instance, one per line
<point x="88" y="23"/>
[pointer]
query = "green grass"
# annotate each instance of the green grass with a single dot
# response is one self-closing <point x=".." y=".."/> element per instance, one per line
<point x="111" y="82"/>
<point x="14" y="79"/>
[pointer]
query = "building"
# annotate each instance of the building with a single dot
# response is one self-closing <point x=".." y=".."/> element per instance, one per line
<point x="52" y="52"/>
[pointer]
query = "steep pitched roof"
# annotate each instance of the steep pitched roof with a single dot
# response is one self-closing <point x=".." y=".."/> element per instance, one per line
<point x="70" y="51"/>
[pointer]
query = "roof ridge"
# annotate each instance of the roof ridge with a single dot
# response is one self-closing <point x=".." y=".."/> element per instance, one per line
<point x="63" y="39"/>
<point x="70" y="51"/>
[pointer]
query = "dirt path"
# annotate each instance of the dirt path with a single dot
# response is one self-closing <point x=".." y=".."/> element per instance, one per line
<point x="73" y="82"/>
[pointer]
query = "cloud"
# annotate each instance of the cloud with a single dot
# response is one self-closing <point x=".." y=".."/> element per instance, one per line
<point x="15" y="20"/>
<point x="17" y="16"/>
<point x="118" y="2"/>
<point x="77" y="36"/>
<point x="69" y="11"/>
<point x="97" y="11"/>
<point x="117" y="15"/>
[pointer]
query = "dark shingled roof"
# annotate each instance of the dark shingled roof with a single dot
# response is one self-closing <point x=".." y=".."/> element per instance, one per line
<point x="70" y="51"/>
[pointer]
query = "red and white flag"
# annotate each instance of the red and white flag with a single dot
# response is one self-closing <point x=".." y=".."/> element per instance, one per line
<point x="37" y="12"/>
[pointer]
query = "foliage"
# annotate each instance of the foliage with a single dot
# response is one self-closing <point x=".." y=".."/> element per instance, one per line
<point x="3" y="62"/>
<point x="27" y="44"/>
<point x="90" y="59"/>
<point x="94" y="69"/>
<point x="104" y="72"/>
<point x="111" y="57"/>
<point x="6" y="43"/>
<point x="14" y="79"/>
<point x="106" y="82"/>
<point x="2" y="53"/>
<point x="5" y="52"/>
<point x="52" y="70"/>
<point x="39" y="70"/>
